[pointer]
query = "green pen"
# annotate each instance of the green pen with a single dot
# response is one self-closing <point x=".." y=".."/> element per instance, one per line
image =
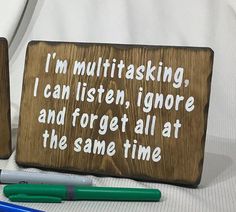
<point x="57" y="193"/>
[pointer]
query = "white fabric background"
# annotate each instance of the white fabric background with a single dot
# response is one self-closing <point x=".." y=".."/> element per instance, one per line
<point x="209" y="23"/>
<point x="10" y="16"/>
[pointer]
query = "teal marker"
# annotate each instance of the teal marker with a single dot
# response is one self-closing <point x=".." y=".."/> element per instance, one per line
<point x="57" y="193"/>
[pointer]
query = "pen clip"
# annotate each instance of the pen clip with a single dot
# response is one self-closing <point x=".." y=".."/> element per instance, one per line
<point x="34" y="198"/>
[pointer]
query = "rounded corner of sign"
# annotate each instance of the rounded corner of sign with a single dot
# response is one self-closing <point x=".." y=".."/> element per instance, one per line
<point x="3" y="39"/>
<point x="210" y="50"/>
<point x="32" y="42"/>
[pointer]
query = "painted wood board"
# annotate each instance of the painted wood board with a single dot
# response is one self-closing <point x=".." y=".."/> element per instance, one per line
<point x="130" y="111"/>
<point x="5" y="120"/>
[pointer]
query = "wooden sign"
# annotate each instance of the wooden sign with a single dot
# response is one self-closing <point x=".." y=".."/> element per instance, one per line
<point x="116" y="110"/>
<point x="5" y="120"/>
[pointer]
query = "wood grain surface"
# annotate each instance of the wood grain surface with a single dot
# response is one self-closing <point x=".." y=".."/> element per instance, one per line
<point x="181" y="158"/>
<point x="5" y="121"/>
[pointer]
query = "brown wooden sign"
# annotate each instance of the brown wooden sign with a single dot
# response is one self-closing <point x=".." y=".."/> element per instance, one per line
<point x="5" y="121"/>
<point x="116" y="110"/>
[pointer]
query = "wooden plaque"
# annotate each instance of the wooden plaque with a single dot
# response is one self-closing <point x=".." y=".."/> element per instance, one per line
<point x="116" y="110"/>
<point x="5" y="121"/>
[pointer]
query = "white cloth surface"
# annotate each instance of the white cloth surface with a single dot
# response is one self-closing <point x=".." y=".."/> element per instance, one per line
<point x="10" y="15"/>
<point x="209" y="23"/>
